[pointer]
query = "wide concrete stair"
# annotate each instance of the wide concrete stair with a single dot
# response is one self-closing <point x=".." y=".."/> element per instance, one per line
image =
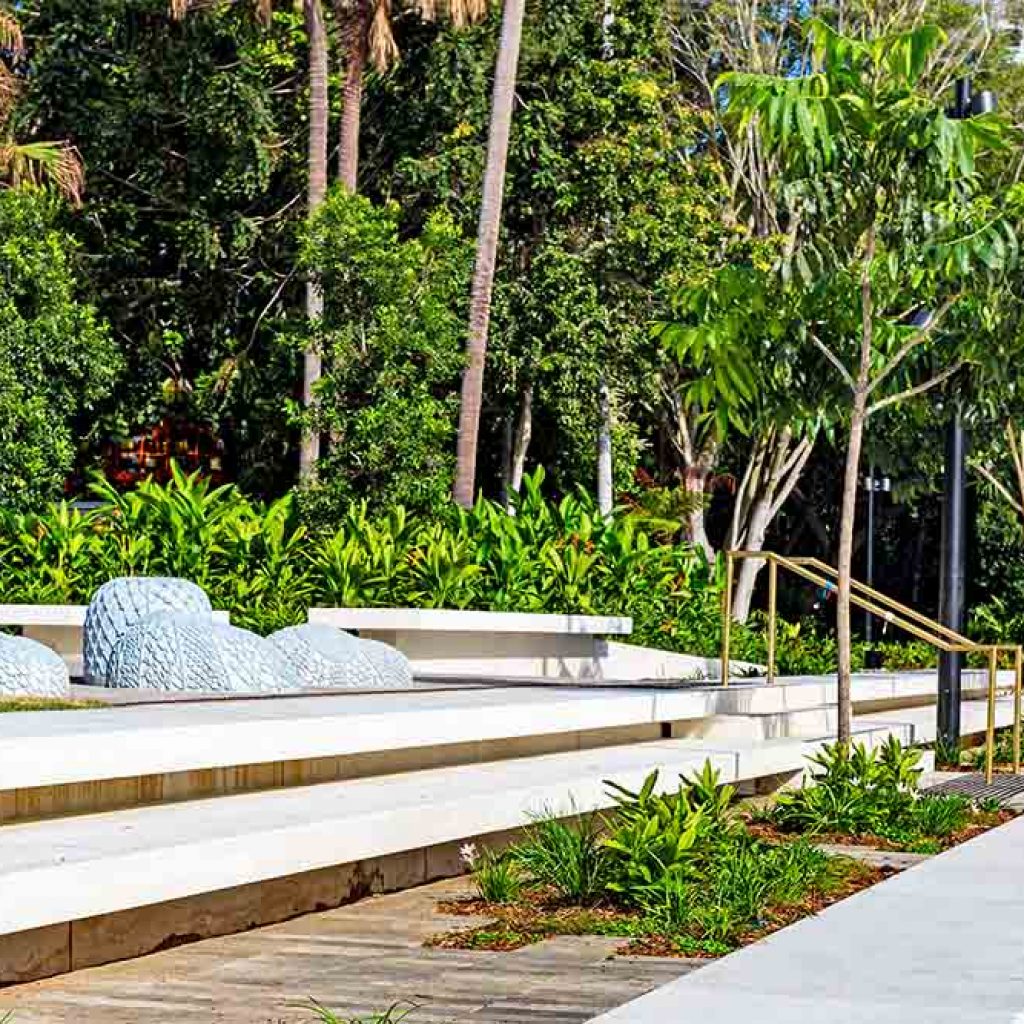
<point x="128" y="829"/>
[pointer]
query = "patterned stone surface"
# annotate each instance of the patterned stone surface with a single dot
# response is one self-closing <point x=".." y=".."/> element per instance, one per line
<point x="192" y="652"/>
<point x="122" y="602"/>
<point x="30" y="669"/>
<point x="327" y="658"/>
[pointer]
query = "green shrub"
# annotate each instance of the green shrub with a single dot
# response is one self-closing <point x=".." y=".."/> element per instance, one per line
<point x="567" y="857"/>
<point x="857" y="791"/>
<point x="940" y="816"/>
<point x="497" y="876"/>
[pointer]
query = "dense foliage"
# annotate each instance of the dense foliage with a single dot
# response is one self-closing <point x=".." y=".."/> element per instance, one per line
<point x="628" y="204"/>
<point x="57" y="360"/>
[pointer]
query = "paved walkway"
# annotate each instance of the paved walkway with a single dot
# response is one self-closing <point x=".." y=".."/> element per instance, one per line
<point x="942" y="943"/>
<point x="355" y="960"/>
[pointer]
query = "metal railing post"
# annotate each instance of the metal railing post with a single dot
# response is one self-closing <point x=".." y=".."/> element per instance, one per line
<point x="773" y="588"/>
<point x="727" y="617"/>
<point x="990" y="729"/>
<point x="1018" y="671"/>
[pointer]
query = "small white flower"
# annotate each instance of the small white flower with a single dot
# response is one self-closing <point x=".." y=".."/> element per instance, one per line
<point x="468" y="853"/>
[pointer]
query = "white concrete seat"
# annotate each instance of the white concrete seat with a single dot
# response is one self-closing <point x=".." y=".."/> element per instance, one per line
<point x="58" y="626"/>
<point x="449" y="643"/>
<point x="442" y="642"/>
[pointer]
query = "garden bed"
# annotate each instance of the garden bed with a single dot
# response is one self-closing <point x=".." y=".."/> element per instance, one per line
<point x="542" y="914"/>
<point x="980" y="821"/>
<point x="686" y="873"/>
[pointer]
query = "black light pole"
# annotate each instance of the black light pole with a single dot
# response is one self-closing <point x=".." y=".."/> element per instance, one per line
<point x="952" y="583"/>
<point x="872" y="484"/>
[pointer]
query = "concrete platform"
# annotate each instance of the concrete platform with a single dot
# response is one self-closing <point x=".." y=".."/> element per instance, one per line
<point x="940" y="943"/>
<point x="61" y="748"/>
<point x="54" y="871"/>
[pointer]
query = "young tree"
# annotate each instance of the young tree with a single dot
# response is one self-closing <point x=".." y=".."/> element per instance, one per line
<point x="888" y="228"/>
<point x="487" y="250"/>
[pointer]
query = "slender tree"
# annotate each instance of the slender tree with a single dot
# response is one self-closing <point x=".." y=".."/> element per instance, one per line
<point x="316" y="187"/>
<point x="889" y="229"/>
<point x="502" y="100"/>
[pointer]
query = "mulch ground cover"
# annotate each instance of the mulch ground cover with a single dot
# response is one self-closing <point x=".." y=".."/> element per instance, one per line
<point x="539" y="915"/>
<point x="982" y="822"/>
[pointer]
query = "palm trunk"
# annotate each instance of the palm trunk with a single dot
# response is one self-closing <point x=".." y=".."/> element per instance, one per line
<point x="486" y="252"/>
<point x="604" y="450"/>
<point x="356" y="25"/>
<point x="316" y="189"/>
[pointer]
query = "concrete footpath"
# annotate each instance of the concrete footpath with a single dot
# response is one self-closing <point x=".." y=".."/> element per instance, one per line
<point x="941" y="942"/>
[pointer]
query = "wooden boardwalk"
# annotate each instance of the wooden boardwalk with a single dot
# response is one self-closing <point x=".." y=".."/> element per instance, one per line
<point x="355" y="960"/>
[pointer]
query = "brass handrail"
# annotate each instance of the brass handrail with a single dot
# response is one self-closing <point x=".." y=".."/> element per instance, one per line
<point x="892" y="611"/>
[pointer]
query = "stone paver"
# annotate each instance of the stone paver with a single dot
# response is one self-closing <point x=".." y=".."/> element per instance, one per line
<point x="942" y="943"/>
<point x="355" y="960"/>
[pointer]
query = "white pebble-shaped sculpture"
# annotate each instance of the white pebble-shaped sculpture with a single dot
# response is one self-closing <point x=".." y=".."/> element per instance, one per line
<point x="30" y="669"/>
<point x="194" y="653"/>
<point x="122" y="602"/>
<point x="327" y="658"/>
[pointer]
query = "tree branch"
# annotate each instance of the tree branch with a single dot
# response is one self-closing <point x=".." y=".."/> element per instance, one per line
<point x="918" y="338"/>
<point x="833" y="359"/>
<point x="918" y="388"/>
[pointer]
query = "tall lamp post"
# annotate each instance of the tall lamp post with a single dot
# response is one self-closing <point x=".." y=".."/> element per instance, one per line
<point x="966" y="103"/>
<point x="873" y="485"/>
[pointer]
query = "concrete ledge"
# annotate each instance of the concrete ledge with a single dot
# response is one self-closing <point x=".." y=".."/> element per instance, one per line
<point x="72" y="868"/>
<point x="448" y="620"/>
<point x="58" y="626"/>
<point x="89" y="942"/>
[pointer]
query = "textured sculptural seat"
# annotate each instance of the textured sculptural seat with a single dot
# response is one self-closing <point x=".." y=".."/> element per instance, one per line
<point x="323" y="657"/>
<point x="194" y="653"/>
<point x="121" y="603"/>
<point x="29" y="669"/>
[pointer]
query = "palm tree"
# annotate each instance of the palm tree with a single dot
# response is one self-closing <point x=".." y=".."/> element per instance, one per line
<point x="367" y="35"/>
<point x="316" y="188"/>
<point x="502" y="101"/>
<point x="36" y="163"/>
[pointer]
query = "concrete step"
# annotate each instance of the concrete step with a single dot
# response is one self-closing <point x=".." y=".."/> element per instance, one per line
<point x="63" y="748"/>
<point x="917" y="722"/>
<point x="78" y="891"/>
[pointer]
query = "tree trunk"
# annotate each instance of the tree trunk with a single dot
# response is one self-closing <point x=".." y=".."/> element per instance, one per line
<point x="521" y="441"/>
<point x="848" y="516"/>
<point x="697" y="479"/>
<point x="356" y="26"/>
<point x="605" y="499"/>
<point x="775" y="468"/>
<point x="750" y="568"/>
<point x="316" y="189"/>
<point x="845" y="566"/>
<point x="502" y="101"/>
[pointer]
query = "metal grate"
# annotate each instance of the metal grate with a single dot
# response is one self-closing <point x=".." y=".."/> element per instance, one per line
<point x="1003" y="787"/>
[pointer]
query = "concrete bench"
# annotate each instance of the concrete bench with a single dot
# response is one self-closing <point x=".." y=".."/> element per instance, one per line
<point x="58" y="626"/>
<point x="449" y="643"/>
<point x="445" y="643"/>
